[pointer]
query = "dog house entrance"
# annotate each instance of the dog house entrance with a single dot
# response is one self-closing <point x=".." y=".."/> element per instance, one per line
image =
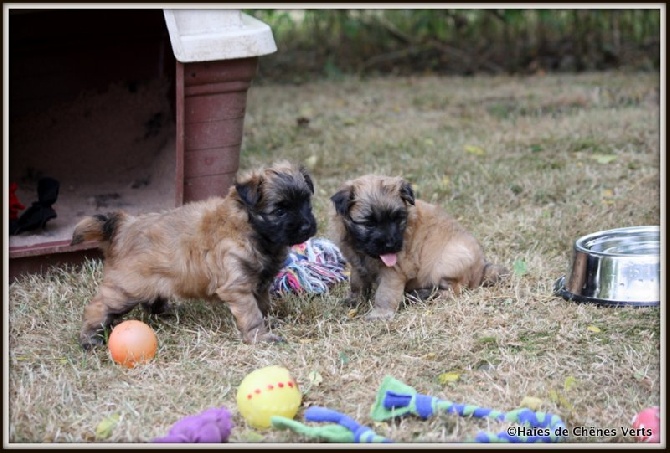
<point x="99" y="103"/>
<point x="91" y="105"/>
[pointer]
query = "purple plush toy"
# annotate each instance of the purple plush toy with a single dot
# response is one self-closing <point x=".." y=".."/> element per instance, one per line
<point x="210" y="426"/>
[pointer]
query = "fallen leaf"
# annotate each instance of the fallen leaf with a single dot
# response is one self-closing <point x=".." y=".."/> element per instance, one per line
<point x="639" y="375"/>
<point x="429" y="356"/>
<point x="558" y="399"/>
<point x="603" y="158"/>
<point x="608" y="195"/>
<point x="531" y="402"/>
<point x="476" y="150"/>
<point x="446" y="378"/>
<point x="305" y="340"/>
<point x="593" y="329"/>
<point x="315" y="378"/>
<point x="520" y="268"/>
<point x="105" y="427"/>
<point x="570" y="381"/>
<point x="352" y="313"/>
<point x="312" y="160"/>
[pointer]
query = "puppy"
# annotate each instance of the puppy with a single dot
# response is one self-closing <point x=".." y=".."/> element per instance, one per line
<point x="402" y="245"/>
<point x="224" y="248"/>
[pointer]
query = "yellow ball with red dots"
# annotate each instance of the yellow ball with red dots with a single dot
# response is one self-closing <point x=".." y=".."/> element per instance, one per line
<point x="267" y="392"/>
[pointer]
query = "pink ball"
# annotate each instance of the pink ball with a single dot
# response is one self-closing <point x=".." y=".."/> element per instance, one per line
<point x="647" y="425"/>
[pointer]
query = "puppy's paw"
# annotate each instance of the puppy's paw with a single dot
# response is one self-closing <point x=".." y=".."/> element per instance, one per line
<point x="161" y="307"/>
<point x="355" y="298"/>
<point x="89" y="342"/>
<point x="351" y="301"/>
<point x="421" y="294"/>
<point x="271" y="338"/>
<point x="263" y="337"/>
<point x="380" y="314"/>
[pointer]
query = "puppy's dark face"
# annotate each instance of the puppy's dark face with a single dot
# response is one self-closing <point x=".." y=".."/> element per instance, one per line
<point x="278" y="201"/>
<point x="374" y="210"/>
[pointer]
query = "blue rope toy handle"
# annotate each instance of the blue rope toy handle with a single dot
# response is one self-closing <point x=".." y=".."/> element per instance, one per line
<point x="340" y="428"/>
<point x="397" y="399"/>
<point x="361" y="433"/>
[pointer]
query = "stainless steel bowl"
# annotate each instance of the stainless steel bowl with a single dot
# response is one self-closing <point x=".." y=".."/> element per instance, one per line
<point x="619" y="267"/>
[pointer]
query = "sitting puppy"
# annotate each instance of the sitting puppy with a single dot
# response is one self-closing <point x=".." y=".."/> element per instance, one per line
<point x="402" y="244"/>
<point x="222" y="248"/>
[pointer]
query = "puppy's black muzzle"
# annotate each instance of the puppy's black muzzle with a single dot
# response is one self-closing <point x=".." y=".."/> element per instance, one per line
<point x="305" y="231"/>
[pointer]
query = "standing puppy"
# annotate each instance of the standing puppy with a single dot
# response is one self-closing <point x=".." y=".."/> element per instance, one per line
<point x="222" y="248"/>
<point x="402" y="244"/>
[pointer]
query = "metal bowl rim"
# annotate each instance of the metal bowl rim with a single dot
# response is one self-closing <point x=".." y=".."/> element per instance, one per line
<point x="579" y="247"/>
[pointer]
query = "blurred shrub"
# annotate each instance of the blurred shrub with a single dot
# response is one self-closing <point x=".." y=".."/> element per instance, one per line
<point x="459" y="41"/>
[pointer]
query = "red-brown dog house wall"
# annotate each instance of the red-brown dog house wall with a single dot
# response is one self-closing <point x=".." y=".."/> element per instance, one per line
<point x="142" y="117"/>
<point x="217" y="56"/>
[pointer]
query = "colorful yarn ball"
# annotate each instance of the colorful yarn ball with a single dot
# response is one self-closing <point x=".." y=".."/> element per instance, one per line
<point x="311" y="267"/>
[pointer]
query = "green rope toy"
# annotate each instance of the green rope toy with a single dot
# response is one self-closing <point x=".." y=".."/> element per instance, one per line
<point x="395" y="399"/>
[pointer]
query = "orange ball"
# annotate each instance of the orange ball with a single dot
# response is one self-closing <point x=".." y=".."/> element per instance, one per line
<point x="132" y="342"/>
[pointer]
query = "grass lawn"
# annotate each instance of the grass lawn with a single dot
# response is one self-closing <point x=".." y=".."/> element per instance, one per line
<point x="527" y="164"/>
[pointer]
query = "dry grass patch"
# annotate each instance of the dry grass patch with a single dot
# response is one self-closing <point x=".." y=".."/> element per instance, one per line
<point x="528" y="164"/>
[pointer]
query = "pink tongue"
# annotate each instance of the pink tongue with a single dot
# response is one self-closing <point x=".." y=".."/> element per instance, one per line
<point x="389" y="259"/>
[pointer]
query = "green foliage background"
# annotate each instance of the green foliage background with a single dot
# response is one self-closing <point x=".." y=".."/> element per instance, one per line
<point x="460" y="41"/>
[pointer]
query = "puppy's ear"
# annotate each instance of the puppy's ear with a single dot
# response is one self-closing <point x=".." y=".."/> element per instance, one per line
<point x="308" y="179"/>
<point x="249" y="190"/>
<point x="406" y="192"/>
<point x="342" y="200"/>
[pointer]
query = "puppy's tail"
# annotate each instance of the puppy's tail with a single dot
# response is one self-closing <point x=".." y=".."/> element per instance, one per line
<point x="99" y="228"/>
<point x="493" y="273"/>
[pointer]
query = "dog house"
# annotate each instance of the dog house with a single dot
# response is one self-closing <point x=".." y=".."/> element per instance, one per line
<point x="140" y="110"/>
